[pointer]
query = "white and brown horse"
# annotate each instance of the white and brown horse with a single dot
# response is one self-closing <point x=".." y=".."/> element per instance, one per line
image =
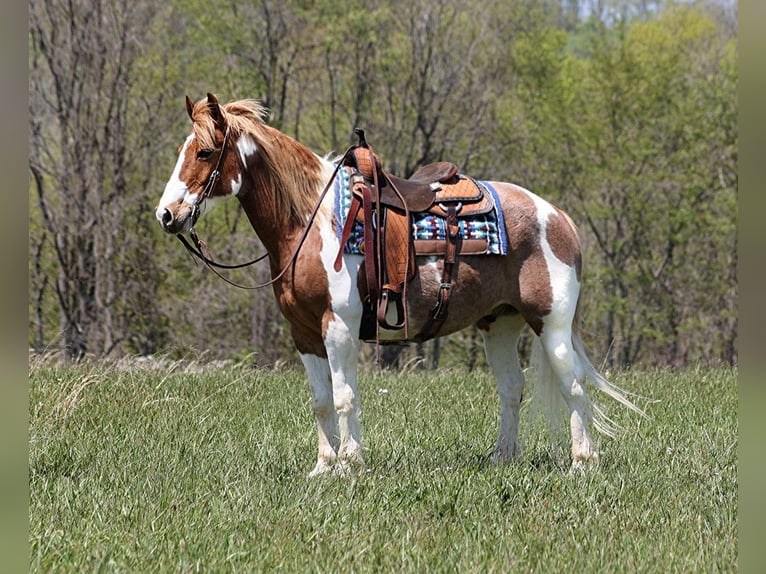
<point x="232" y="152"/>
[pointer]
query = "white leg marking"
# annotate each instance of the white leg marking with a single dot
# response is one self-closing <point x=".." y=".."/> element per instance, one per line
<point x="557" y="344"/>
<point x="342" y="342"/>
<point x="501" y="350"/>
<point x="318" y="371"/>
<point x="342" y="353"/>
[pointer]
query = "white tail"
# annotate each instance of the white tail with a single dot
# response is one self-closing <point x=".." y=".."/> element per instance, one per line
<point x="551" y="401"/>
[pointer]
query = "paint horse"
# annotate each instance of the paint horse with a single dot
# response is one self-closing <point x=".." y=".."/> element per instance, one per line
<point x="280" y="184"/>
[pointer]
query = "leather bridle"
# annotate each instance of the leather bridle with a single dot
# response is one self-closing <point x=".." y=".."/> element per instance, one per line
<point x="211" y="181"/>
<point x="200" y="248"/>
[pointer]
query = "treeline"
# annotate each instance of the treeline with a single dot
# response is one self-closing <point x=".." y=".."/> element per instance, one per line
<point x="622" y="113"/>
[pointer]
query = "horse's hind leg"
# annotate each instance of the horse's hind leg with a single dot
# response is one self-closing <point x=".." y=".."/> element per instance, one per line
<point x="501" y="339"/>
<point x="568" y="376"/>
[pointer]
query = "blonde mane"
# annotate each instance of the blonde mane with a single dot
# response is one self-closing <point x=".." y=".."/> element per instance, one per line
<point x="292" y="170"/>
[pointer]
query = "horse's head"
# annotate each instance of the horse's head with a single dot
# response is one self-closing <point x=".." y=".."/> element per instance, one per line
<point x="208" y="168"/>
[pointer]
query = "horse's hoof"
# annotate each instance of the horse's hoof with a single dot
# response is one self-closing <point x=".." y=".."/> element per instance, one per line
<point x="584" y="463"/>
<point x="321" y="469"/>
<point x="506" y="455"/>
<point x="347" y="468"/>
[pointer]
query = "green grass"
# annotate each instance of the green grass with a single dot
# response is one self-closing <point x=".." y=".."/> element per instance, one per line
<point x="167" y="470"/>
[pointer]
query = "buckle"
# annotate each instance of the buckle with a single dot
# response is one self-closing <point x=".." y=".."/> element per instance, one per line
<point x="446" y="208"/>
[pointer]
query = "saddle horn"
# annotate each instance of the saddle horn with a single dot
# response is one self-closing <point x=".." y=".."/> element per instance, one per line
<point x="362" y="138"/>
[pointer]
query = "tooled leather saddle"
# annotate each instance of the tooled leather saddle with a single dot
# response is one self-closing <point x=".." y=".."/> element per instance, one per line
<point x="384" y="205"/>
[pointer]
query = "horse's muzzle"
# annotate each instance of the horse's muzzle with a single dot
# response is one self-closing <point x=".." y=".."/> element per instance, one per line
<point x="172" y="223"/>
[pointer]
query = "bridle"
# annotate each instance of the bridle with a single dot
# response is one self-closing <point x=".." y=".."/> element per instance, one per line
<point x="211" y="181"/>
<point x="200" y="248"/>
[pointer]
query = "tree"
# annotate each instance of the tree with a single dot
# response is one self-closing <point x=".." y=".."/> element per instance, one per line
<point x="91" y="157"/>
<point x="645" y="131"/>
<point x="629" y="124"/>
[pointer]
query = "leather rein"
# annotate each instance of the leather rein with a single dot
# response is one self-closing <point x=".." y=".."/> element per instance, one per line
<point x="200" y="248"/>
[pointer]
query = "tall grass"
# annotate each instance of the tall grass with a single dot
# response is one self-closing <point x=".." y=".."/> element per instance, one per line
<point x="172" y="469"/>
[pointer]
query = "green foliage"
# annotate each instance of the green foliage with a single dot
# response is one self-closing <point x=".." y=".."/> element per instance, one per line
<point x="635" y="131"/>
<point x="176" y="466"/>
<point x="628" y="124"/>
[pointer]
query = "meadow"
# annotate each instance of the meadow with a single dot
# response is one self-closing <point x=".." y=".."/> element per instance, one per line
<point x="176" y="467"/>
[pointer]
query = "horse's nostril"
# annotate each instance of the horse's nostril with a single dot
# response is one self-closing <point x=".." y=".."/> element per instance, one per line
<point x="167" y="218"/>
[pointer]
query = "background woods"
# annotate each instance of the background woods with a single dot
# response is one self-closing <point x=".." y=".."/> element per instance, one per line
<point x="621" y="112"/>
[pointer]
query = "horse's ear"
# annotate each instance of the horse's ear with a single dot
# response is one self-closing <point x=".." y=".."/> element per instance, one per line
<point x="189" y="107"/>
<point x="215" y="110"/>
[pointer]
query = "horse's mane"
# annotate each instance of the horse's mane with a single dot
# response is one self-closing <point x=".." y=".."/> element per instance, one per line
<point x="289" y="167"/>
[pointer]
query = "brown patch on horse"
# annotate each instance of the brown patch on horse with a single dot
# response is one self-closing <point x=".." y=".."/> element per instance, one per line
<point x="535" y="294"/>
<point x="562" y="237"/>
<point x="303" y="296"/>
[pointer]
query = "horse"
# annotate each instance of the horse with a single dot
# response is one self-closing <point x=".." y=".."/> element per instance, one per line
<point x="281" y="185"/>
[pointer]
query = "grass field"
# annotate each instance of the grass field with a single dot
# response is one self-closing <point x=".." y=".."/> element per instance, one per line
<point x="137" y="469"/>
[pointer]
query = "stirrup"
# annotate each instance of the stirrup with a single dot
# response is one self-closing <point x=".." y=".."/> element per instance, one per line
<point x="383" y="302"/>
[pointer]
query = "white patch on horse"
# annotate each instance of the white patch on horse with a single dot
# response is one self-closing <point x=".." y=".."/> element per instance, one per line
<point x="563" y="277"/>
<point x="344" y="297"/>
<point x="561" y="351"/>
<point x="236" y="184"/>
<point x="246" y="147"/>
<point x="341" y="338"/>
<point x="175" y="189"/>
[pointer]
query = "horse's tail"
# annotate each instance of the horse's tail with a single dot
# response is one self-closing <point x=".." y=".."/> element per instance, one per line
<point x="547" y="391"/>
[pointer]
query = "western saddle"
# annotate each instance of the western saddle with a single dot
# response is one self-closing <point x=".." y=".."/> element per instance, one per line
<point x="384" y="206"/>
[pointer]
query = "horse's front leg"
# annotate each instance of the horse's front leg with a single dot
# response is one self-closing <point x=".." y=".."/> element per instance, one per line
<point x="342" y="346"/>
<point x="318" y="371"/>
<point x="335" y="400"/>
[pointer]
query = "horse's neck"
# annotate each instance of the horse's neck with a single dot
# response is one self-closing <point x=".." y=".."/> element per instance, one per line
<point x="262" y="206"/>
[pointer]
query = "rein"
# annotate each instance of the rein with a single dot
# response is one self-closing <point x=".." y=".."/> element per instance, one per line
<point x="200" y="247"/>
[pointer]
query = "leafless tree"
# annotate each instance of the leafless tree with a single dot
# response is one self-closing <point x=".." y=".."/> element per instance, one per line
<point x="81" y="70"/>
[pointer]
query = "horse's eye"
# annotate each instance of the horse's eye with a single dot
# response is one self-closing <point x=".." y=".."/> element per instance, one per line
<point x="204" y="154"/>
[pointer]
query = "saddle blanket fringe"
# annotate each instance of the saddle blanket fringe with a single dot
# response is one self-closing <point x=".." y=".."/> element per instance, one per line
<point x="489" y="226"/>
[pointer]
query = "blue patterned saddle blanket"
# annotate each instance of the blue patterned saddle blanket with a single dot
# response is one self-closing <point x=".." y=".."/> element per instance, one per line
<point x="485" y="233"/>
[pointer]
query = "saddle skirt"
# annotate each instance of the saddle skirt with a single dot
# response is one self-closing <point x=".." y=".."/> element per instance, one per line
<point x="480" y="222"/>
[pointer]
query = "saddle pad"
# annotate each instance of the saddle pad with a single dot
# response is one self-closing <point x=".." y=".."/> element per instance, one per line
<point x="488" y="226"/>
